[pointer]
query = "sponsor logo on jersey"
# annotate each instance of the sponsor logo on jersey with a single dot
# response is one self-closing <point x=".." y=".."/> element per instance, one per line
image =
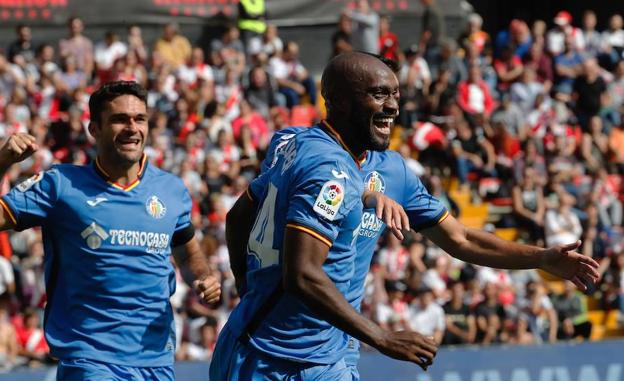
<point x="329" y="200"/>
<point x="374" y="182"/>
<point x="339" y="175"/>
<point x="371" y="225"/>
<point x="96" y="201"/>
<point x="29" y="182"/>
<point x="155" y="207"/>
<point x="154" y="243"/>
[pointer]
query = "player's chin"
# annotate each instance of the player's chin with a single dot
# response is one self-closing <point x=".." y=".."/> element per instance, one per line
<point x="379" y="143"/>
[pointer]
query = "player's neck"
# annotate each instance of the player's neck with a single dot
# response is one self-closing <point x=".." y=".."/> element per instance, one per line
<point x="122" y="173"/>
<point x="349" y="140"/>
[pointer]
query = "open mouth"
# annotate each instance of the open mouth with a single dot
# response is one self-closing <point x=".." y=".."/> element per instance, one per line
<point x="383" y="124"/>
<point x="128" y="143"/>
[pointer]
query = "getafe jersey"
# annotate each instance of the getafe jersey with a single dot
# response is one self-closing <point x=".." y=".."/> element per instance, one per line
<point x="383" y="172"/>
<point x="107" y="260"/>
<point x="314" y="186"/>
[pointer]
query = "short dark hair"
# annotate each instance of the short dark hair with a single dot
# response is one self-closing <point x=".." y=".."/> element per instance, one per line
<point x="392" y="64"/>
<point x="110" y="91"/>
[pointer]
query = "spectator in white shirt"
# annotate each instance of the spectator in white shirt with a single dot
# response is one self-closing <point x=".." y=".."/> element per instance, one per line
<point x="562" y="226"/>
<point x="196" y="70"/>
<point x="292" y="77"/>
<point x="556" y="37"/>
<point x="613" y="39"/>
<point x="394" y="314"/>
<point x="427" y="317"/>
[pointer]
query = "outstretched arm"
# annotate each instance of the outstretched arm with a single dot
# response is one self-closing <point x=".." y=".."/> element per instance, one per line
<point x="482" y="248"/>
<point x="303" y="276"/>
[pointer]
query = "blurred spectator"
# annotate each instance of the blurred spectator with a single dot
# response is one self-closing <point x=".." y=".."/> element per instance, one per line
<point x="135" y="43"/>
<point x="393" y="259"/>
<point x="196" y="70"/>
<point x="7" y="282"/>
<point x="433" y="28"/>
<point x="394" y="314"/>
<point x="292" y="77"/>
<point x="473" y="153"/>
<point x="8" y="341"/>
<point x="106" y="53"/>
<point x="474" y="36"/>
<point x="436" y="278"/>
<point x="592" y="38"/>
<point x="172" y="47"/>
<point x="613" y="40"/>
<point x="77" y="46"/>
<point x="32" y="343"/>
<point x="616" y="87"/>
<point x="594" y="145"/>
<point x="490" y="316"/>
<point x="563" y="30"/>
<point x="571" y="307"/>
<point x="203" y="350"/>
<point x="426" y="316"/>
<point x="341" y="39"/>
<point x="538" y="32"/>
<point x="365" y="32"/>
<point x="447" y="59"/>
<point x="22" y="46"/>
<point x="568" y="66"/>
<point x="268" y="44"/>
<point x="230" y="48"/>
<point x="261" y="92"/>
<point x="616" y="144"/>
<point x="524" y="92"/>
<point x="606" y="198"/>
<point x="415" y="81"/>
<point x="252" y="17"/>
<point x="473" y="95"/>
<point x="461" y="326"/>
<point x="540" y="315"/>
<point x="388" y="40"/>
<point x="541" y="64"/>
<point x="508" y="68"/>
<point x="517" y="36"/>
<point x="561" y="225"/>
<point x="528" y="204"/>
<point x="588" y="89"/>
<point x="255" y="123"/>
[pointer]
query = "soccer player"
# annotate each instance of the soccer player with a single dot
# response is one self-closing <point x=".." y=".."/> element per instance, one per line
<point x="293" y="314"/>
<point x="108" y="229"/>
<point x="386" y="172"/>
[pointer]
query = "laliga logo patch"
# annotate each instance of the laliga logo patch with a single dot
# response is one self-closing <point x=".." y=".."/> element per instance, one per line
<point x="155" y="207"/>
<point x="375" y="183"/>
<point x="29" y="182"/>
<point x="329" y="200"/>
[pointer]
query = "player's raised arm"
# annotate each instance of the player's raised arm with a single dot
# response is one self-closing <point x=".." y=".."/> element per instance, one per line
<point x="482" y="248"/>
<point x="17" y="148"/>
<point x="303" y="276"/>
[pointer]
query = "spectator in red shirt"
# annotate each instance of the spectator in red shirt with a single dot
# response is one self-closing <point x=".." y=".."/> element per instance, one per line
<point x="32" y="344"/>
<point x="473" y="95"/>
<point x="255" y="122"/>
<point x="508" y="68"/>
<point x="388" y="41"/>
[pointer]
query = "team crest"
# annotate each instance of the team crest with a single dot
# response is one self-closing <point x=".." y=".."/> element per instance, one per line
<point x="329" y="200"/>
<point x="29" y="182"/>
<point x="375" y="183"/>
<point x="155" y="207"/>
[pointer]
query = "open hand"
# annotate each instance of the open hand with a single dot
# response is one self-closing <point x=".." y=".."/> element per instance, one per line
<point x="565" y="263"/>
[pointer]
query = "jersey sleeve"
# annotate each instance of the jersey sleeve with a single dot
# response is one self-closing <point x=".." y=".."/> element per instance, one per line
<point x="31" y="202"/>
<point x="321" y="195"/>
<point x="422" y="209"/>
<point x="184" y="229"/>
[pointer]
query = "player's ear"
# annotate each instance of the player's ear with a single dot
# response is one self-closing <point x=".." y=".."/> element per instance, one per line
<point x="94" y="129"/>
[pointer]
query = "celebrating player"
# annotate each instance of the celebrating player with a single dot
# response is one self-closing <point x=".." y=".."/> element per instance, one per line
<point x="292" y="315"/>
<point x="108" y="229"/>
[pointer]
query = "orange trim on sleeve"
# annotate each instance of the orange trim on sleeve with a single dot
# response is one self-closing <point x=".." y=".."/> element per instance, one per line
<point x="8" y="210"/>
<point x="248" y="193"/>
<point x="444" y="216"/>
<point x="312" y="233"/>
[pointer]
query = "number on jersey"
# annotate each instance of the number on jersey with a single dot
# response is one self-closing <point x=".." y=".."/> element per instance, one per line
<point x="261" y="237"/>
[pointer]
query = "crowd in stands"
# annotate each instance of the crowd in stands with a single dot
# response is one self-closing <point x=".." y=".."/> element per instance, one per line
<point x="528" y="120"/>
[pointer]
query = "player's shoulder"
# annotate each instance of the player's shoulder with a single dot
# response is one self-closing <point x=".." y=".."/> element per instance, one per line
<point x="164" y="178"/>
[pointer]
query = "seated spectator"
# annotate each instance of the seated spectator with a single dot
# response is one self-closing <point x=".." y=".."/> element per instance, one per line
<point x="32" y="344"/>
<point x="393" y="259"/>
<point x="172" y="47"/>
<point x="7" y="282"/>
<point x="415" y="81"/>
<point x="261" y="92"/>
<point x="473" y="95"/>
<point x="517" y="35"/>
<point x="613" y="40"/>
<point x="616" y="145"/>
<point x="256" y="124"/>
<point x="203" y="350"/>
<point x="393" y="314"/>
<point x="541" y="64"/>
<point x="606" y="199"/>
<point x="135" y="43"/>
<point x="341" y="39"/>
<point x="571" y="307"/>
<point x="195" y="70"/>
<point x="592" y="38"/>
<point x="106" y="53"/>
<point x="528" y="204"/>
<point x="524" y="92"/>
<point x="292" y="77"/>
<point x="561" y="225"/>
<point x="23" y="45"/>
<point x="8" y="341"/>
<point x="435" y="278"/>
<point x="130" y="68"/>
<point x="268" y="45"/>
<point x="510" y="116"/>
<point x="426" y="316"/>
<point x="472" y="152"/>
<point x="490" y="316"/>
<point x="508" y="69"/>
<point x="556" y="37"/>
<point x="448" y="60"/>
<point x="594" y="145"/>
<point x="568" y="66"/>
<point x="230" y="48"/>
<point x="461" y="326"/>
<point x="539" y="314"/>
<point x="475" y="36"/>
<point x="616" y="87"/>
<point x="587" y="91"/>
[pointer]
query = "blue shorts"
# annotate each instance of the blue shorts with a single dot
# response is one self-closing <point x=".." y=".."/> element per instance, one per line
<point x="233" y="360"/>
<point x="89" y="370"/>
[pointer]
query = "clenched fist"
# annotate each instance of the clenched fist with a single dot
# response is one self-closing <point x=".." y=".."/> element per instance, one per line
<point x="208" y="289"/>
<point x="17" y="148"/>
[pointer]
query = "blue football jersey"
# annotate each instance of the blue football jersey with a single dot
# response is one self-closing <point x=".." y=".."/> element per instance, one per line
<point x="384" y="172"/>
<point x="108" y="269"/>
<point x="314" y="186"/>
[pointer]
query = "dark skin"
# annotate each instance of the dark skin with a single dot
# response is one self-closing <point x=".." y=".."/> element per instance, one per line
<point x="359" y="89"/>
